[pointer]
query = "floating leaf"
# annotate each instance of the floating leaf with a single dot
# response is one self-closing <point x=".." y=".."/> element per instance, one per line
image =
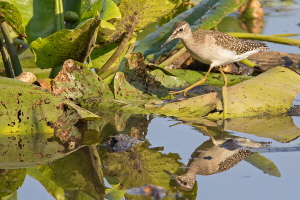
<point x="270" y="93"/>
<point x="132" y="81"/>
<point x="78" y="83"/>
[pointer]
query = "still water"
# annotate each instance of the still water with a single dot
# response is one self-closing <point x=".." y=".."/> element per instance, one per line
<point x="243" y="181"/>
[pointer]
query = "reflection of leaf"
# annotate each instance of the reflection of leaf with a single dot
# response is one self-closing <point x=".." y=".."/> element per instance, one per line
<point x="279" y="127"/>
<point x="139" y="166"/>
<point x="10" y="14"/>
<point x="115" y="193"/>
<point x="11" y="180"/>
<point x="74" y="175"/>
<point x="65" y="44"/>
<point x="264" y="164"/>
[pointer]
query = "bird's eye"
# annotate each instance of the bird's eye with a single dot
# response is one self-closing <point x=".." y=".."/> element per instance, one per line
<point x="184" y="183"/>
<point x="181" y="29"/>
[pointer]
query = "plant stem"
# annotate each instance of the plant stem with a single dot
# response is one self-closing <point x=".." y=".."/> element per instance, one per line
<point x="54" y="72"/>
<point x="58" y="25"/>
<point x="11" y="51"/>
<point x="59" y="16"/>
<point x="6" y="60"/>
<point x="268" y="38"/>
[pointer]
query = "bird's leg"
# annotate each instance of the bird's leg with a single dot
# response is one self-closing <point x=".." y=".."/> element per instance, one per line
<point x="224" y="93"/>
<point x="192" y="86"/>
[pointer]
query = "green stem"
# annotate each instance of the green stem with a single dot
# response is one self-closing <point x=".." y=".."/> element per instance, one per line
<point x="54" y="72"/>
<point x="59" y="16"/>
<point x="6" y="60"/>
<point x="172" y="58"/>
<point x="58" y="25"/>
<point x="268" y="38"/>
<point x="11" y="50"/>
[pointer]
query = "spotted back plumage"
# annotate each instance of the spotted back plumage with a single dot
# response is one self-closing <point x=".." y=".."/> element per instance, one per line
<point x="232" y="43"/>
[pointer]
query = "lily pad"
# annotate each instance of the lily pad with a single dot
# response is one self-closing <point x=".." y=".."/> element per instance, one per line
<point x="270" y="93"/>
<point x="78" y="83"/>
<point x="215" y="79"/>
<point x="132" y="81"/>
<point x="65" y="44"/>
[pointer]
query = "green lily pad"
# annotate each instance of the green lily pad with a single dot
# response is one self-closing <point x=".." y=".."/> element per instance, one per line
<point x="270" y="93"/>
<point x="65" y="44"/>
<point x="78" y="83"/>
<point x="215" y="79"/>
<point x="173" y="82"/>
<point x="132" y="81"/>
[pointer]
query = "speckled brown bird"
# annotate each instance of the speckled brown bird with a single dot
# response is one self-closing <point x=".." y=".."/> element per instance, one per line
<point x="213" y="48"/>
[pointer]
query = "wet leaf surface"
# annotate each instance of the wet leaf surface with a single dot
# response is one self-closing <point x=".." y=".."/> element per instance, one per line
<point x="270" y="93"/>
<point x="77" y="82"/>
<point x="132" y="81"/>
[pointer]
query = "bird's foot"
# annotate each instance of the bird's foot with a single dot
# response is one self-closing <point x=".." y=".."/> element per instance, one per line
<point x="179" y="92"/>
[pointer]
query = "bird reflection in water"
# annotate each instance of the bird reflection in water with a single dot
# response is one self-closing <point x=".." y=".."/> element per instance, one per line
<point x="215" y="155"/>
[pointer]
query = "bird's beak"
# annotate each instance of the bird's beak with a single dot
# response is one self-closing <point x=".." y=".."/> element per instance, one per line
<point x="168" y="40"/>
<point x="173" y="176"/>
